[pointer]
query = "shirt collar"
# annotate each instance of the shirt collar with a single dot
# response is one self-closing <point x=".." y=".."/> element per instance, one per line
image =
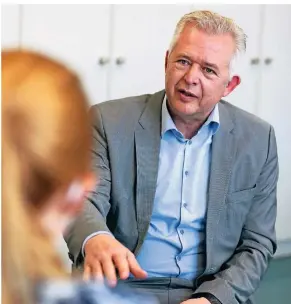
<point x="168" y="124"/>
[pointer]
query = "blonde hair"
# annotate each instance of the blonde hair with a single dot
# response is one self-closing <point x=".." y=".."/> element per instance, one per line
<point x="212" y="24"/>
<point x="46" y="142"/>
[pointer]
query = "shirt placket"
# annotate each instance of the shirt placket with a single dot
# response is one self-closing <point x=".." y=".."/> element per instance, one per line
<point x="183" y="203"/>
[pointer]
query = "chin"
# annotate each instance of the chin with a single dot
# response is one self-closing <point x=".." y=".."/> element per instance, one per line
<point x="186" y="110"/>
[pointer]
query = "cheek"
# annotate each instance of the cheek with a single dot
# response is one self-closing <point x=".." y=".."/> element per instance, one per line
<point x="63" y="224"/>
<point x="173" y="76"/>
<point x="56" y="225"/>
<point x="212" y="89"/>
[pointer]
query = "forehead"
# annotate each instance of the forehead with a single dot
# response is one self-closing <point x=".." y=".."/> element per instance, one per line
<point x="218" y="49"/>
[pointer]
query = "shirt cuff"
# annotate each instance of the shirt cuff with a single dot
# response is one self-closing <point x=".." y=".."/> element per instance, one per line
<point x="92" y="235"/>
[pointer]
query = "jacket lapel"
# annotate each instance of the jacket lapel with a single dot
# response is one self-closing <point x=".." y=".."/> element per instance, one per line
<point x="223" y="151"/>
<point x="147" y="144"/>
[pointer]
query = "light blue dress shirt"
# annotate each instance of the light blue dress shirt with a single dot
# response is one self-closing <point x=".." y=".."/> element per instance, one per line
<point x="175" y="243"/>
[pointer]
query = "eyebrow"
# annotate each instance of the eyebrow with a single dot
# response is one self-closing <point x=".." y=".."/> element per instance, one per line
<point x="213" y="65"/>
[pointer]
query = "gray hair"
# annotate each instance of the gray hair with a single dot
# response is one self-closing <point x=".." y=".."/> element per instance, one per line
<point x="212" y="24"/>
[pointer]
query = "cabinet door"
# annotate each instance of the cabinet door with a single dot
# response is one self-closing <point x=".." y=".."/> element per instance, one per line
<point x="76" y="34"/>
<point x="141" y="37"/>
<point x="10" y="22"/>
<point x="248" y="17"/>
<point x="275" y="101"/>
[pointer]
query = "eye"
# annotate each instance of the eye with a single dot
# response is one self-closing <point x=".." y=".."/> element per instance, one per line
<point x="183" y="62"/>
<point x="209" y="71"/>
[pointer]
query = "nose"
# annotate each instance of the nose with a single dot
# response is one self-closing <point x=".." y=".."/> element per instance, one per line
<point x="192" y="75"/>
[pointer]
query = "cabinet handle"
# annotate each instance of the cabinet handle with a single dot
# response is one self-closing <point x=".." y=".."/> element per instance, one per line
<point x="268" y="61"/>
<point x="120" y="60"/>
<point x="103" y="60"/>
<point x="255" y="61"/>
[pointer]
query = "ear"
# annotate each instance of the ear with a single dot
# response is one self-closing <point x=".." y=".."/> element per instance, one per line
<point x="90" y="182"/>
<point x="85" y="184"/>
<point x="232" y="84"/>
<point x="166" y="60"/>
<point x="76" y="193"/>
<point x="77" y="190"/>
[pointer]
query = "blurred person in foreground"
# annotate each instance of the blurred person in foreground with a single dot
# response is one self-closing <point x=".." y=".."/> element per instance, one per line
<point x="194" y="198"/>
<point x="46" y="139"/>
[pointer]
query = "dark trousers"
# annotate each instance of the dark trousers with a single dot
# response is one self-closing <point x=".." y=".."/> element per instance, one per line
<point x="166" y="290"/>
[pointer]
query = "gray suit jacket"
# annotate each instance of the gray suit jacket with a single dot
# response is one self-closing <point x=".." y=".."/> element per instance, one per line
<point x="241" y="210"/>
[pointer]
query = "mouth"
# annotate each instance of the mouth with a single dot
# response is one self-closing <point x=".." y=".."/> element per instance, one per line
<point x="187" y="93"/>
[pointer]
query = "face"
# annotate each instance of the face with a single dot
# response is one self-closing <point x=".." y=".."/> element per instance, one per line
<point x="197" y="73"/>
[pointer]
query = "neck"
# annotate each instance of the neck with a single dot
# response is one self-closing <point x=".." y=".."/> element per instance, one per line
<point x="188" y="128"/>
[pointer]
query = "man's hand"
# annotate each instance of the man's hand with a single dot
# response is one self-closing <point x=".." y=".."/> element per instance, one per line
<point x="104" y="255"/>
<point x="196" y="301"/>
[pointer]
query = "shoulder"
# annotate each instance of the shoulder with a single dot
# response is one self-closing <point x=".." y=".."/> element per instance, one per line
<point x="254" y="138"/>
<point x="122" y="115"/>
<point x="246" y="125"/>
<point x="120" y="109"/>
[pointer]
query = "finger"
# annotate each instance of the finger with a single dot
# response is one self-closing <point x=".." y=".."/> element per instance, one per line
<point x="96" y="271"/>
<point x="87" y="273"/>
<point x="109" y="271"/>
<point x="135" y="269"/>
<point x="121" y="263"/>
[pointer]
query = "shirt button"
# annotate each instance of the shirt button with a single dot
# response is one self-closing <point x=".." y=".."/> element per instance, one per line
<point x="190" y="142"/>
<point x="182" y="231"/>
<point x="178" y="258"/>
<point x="185" y="205"/>
<point x="186" y="173"/>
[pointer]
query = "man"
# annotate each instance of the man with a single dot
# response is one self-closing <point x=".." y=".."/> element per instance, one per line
<point x="186" y="203"/>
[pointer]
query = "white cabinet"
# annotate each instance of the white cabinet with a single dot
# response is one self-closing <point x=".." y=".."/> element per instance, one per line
<point x="275" y="100"/>
<point x="141" y="35"/>
<point x="76" y="34"/>
<point x="10" y="25"/>
<point x="249" y="18"/>
<point x="129" y="40"/>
